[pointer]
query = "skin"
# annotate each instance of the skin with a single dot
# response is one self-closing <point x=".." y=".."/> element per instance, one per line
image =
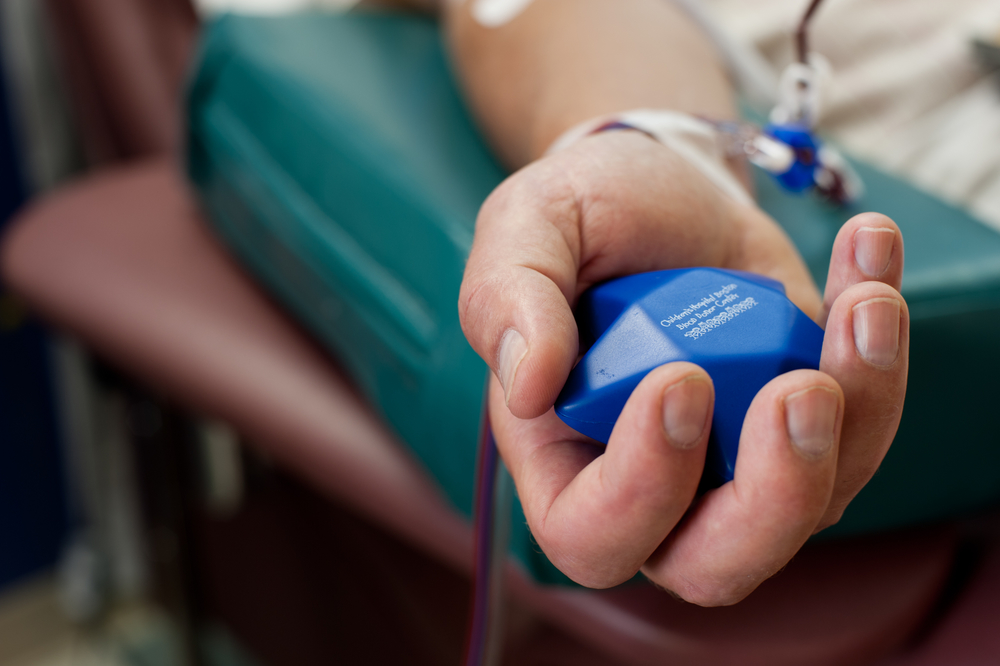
<point x="619" y="203"/>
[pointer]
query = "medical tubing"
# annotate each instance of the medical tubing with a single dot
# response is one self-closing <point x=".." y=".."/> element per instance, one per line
<point x="503" y="495"/>
<point x="482" y="545"/>
<point x="802" y="33"/>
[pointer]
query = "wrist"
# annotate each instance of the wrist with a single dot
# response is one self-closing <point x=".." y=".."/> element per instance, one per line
<point x="693" y="139"/>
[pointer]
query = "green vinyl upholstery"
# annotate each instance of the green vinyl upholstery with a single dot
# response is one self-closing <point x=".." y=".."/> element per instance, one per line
<point x="337" y="160"/>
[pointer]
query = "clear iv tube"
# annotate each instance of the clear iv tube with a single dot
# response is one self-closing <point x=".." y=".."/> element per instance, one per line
<point x="492" y="525"/>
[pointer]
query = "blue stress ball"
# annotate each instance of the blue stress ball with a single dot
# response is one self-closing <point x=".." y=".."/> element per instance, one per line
<point x="740" y="327"/>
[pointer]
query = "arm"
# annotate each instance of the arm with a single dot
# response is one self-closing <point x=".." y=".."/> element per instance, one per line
<point x="619" y="203"/>
<point x="565" y="61"/>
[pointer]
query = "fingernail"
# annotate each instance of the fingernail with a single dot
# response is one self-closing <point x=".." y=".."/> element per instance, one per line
<point x="876" y="330"/>
<point x="811" y="416"/>
<point x="685" y="410"/>
<point x="512" y="350"/>
<point x="873" y="249"/>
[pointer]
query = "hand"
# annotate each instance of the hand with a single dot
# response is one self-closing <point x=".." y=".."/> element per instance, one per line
<point x="619" y="203"/>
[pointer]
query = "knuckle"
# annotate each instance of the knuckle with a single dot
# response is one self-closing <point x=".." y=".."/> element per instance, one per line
<point x="476" y="304"/>
<point x="806" y="506"/>
<point x="854" y="478"/>
<point x="798" y="505"/>
<point x="802" y="502"/>
<point x="716" y="595"/>
<point x="595" y="577"/>
<point x="499" y="198"/>
<point x="595" y="580"/>
<point x="831" y="518"/>
<point x="468" y="300"/>
<point x="540" y="184"/>
<point x="591" y="566"/>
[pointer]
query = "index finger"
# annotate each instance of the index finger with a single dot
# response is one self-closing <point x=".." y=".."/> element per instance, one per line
<point x="612" y="205"/>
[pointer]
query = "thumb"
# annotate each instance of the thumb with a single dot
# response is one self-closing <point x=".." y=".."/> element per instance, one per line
<point x="514" y="303"/>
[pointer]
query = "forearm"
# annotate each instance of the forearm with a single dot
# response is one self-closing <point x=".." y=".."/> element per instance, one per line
<point x="564" y="61"/>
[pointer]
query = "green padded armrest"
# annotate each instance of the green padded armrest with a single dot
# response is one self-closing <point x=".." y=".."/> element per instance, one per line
<point x="336" y="158"/>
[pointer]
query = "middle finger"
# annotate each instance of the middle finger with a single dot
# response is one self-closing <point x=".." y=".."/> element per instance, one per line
<point x="599" y="514"/>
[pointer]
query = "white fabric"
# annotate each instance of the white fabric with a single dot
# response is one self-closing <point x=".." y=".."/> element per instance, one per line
<point x="906" y="93"/>
<point x="694" y="140"/>
<point x="753" y="75"/>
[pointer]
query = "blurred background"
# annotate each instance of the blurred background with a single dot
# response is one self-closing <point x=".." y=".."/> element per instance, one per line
<point x="135" y="531"/>
<point x="94" y="530"/>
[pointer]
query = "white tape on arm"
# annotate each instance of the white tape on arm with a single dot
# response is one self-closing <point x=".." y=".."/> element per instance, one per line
<point x="495" y="13"/>
<point x="693" y="139"/>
